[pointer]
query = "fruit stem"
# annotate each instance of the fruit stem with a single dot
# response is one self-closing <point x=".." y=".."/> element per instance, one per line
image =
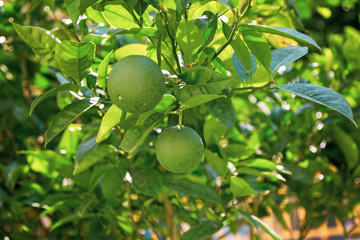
<point x="180" y="118"/>
<point x="122" y="119"/>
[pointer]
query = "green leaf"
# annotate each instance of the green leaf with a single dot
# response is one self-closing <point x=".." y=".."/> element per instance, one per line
<point x="286" y="55"/>
<point x="109" y="120"/>
<point x="213" y="131"/>
<point x="135" y="136"/>
<point x="102" y="71"/>
<point x="34" y="4"/>
<point x="187" y="187"/>
<point x="72" y="8"/>
<point x="199" y="100"/>
<point x="322" y="95"/>
<point x="84" y="4"/>
<point x="258" y="223"/>
<point x="241" y="70"/>
<point x="216" y="162"/>
<point x="40" y="41"/>
<point x="347" y="145"/>
<point x="69" y="114"/>
<point x="189" y="38"/>
<point x="285" y="32"/>
<point x="45" y="162"/>
<point x="98" y="173"/>
<point x="111" y="184"/>
<point x="223" y="110"/>
<point x="259" y="163"/>
<point x="209" y="33"/>
<point x="198" y="74"/>
<point x="240" y="188"/>
<point x="184" y="93"/>
<point x="147" y="181"/>
<point x="259" y="47"/>
<point x="118" y="17"/>
<point x="145" y="32"/>
<point x="71" y="218"/>
<point x="90" y="154"/>
<point x="203" y="230"/>
<point x="241" y="51"/>
<point x="63" y="87"/>
<point x="75" y="59"/>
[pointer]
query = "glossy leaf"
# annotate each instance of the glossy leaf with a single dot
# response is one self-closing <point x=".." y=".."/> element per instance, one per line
<point x="63" y="87"/>
<point x="203" y="230"/>
<point x="322" y="95"/>
<point x="75" y="59"/>
<point x="259" y="47"/>
<point x="189" y="38"/>
<point x="187" y="187"/>
<point x="258" y="223"/>
<point x="102" y="71"/>
<point x="199" y="100"/>
<point x="146" y="181"/>
<point x="109" y="120"/>
<point x="40" y="41"/>
<point x="84" y="4"/>
<point x="135" y="136"/>
<point x="118" y="17"/>
<point x="241" y="70"/>
<point x="185" y="93"/>
<point x="285" y="32"/>
<point x="240" y="188"/>
<point x="259" y="163"/>
<point x="286" y="55"/>
<point x="69" y="114"/>
<point x="97" y="174"/>
<point x="223" y="110"/>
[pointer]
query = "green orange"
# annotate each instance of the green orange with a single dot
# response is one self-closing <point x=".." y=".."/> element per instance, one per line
<point x="136" y="84"/>
<point x="179" y="149"/>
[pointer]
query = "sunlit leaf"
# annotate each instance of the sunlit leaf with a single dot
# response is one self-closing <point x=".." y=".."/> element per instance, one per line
<point x="118" y="17"/>
<point x="75" y="59"/>
<point x="40" y="41"/>
<point x="259" y="47"/>
<point x="109" y="120"/>
<point x="240" y="188"/>
<point x="189" y="38"/>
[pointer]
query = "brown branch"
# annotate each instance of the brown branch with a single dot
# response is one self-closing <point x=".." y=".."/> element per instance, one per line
<point x="169" y="217"/>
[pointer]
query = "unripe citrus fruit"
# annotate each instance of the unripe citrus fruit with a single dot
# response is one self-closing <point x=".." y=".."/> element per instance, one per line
<point x="179" y="149"/>
<point x="136" y="84"/>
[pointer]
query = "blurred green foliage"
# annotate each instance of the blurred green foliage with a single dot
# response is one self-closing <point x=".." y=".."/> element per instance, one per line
<point x="41" y="198"/>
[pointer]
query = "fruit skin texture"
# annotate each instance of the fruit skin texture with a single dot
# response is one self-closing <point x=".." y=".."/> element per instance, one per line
<point x="179" y="149"/>
<point x="136" y="84"/>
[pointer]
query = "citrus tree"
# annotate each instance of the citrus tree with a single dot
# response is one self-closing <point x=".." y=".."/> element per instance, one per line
<point x="178" y="118"/>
